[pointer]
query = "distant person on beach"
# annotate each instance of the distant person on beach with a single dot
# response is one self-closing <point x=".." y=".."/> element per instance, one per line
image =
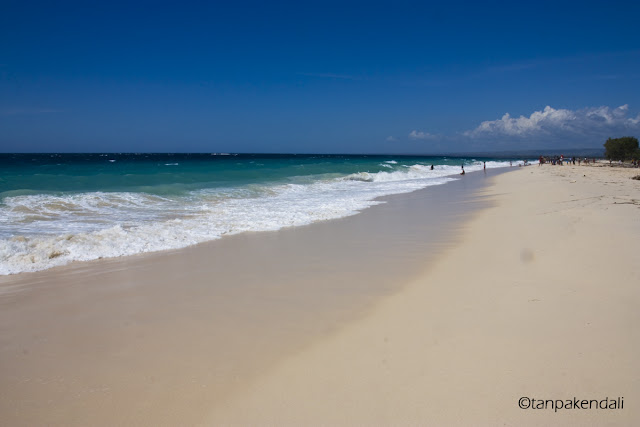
<point x="484" y="164"/>
<point x="431" y="167"/>
<point x="462" y="173"/>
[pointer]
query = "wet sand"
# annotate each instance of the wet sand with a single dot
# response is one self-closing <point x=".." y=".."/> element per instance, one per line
<point x="169" y="338"/>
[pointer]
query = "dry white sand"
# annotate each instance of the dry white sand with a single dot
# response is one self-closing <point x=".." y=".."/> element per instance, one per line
<point x="539" y="300"/>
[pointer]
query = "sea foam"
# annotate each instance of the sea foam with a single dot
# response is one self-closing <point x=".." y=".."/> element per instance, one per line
<point x="43" y="231"/>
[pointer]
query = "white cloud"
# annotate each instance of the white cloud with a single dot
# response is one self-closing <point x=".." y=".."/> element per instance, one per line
<point x="391" y="138"/>
<point x="421" y="135"/>
<point x="560" y="122"/>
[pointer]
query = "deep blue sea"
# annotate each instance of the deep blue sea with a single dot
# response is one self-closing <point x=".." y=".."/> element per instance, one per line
<point x="58" y="208"/>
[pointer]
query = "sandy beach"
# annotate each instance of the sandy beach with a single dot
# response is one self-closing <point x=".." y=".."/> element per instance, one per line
<point x="493" y="288"/>
<point x="319" y="214"/>
<point x="538" y="300"/>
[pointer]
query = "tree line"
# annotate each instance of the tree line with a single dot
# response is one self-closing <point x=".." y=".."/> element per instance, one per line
<point x="625" y="148"/>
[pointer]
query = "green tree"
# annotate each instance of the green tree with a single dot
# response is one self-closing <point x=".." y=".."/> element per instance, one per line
<point x="621" y="148"/>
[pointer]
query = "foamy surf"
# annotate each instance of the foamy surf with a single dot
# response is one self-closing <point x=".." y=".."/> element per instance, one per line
<point x="41" y="231"/>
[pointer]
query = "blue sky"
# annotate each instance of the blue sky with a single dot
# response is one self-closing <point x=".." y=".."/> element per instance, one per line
<point x="321" y="77"/>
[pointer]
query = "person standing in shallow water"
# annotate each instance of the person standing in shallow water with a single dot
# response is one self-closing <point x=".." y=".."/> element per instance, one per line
<point x="462" y="173"/>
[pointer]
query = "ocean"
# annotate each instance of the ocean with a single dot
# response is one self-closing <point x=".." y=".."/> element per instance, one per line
<point x="60" y="208"/>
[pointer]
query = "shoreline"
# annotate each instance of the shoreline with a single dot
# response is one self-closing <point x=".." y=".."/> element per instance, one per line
<point x="162" y="336"/>
<point x="94" y="224"/>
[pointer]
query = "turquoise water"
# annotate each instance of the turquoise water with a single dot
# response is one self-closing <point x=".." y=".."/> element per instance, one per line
<point x="178" y="173"/>
<point x="58" y="208"/>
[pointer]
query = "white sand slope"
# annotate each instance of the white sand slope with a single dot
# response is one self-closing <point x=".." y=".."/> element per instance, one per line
<point x="540" y="299"/>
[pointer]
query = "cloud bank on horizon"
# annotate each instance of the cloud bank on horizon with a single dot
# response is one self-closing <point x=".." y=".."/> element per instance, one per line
<point x="421" y="135"/>
<point x="552" y="123"/>
<point x="549" y="127"/>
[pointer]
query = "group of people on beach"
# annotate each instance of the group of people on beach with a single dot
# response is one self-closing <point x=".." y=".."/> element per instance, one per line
<point x="561" y="160"/>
